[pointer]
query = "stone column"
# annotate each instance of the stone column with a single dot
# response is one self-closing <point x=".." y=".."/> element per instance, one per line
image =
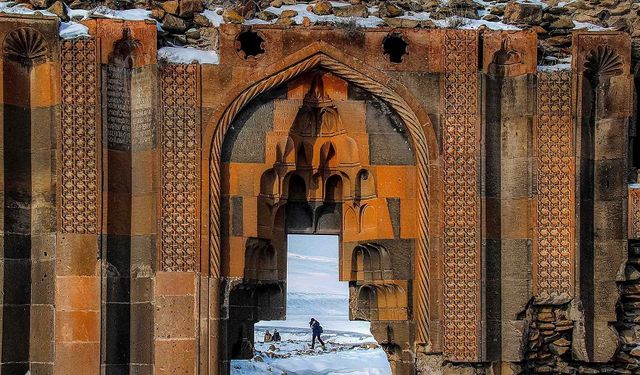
<point x="603" y="83"/>
<point x="183" y="306"/>
<point x="77" y="248"/>
<point x="509" y="61"/>
<point x="30" y="64"/>
<point x="128" y="251"/>
<point x="462" y="270"/>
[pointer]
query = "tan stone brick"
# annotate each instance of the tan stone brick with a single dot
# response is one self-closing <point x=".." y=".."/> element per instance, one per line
<point x="168" y="363"/>
<point x="175" y="317"/>
<point x="77" y="358"/>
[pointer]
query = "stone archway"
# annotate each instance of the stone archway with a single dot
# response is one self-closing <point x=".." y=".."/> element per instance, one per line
<point x="325" y="58"/>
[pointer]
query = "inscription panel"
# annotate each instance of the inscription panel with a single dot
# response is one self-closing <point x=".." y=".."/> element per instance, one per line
<point x="142" y="134"/>
<point x="553" y="246"/>
<point x="118" y="94"/>
<point x="180" y="169"/>
<point x="79" y="137"/>
<point x="461" y="148"/>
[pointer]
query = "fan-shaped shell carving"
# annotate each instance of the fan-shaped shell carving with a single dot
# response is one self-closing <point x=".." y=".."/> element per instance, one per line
<point x="603" y="62"/>
<point x="26" y="46"/>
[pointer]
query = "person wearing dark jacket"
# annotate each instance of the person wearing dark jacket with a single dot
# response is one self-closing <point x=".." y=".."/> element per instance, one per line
<point x="316" y="329"/>
<point x="276" y="335"/>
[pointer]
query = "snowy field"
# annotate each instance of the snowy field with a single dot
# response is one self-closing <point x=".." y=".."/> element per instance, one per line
<point x="315" y="292"/>
<point x="345" y="353"/>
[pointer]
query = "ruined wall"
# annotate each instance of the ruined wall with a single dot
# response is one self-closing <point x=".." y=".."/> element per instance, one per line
<point x="483" y="203"/>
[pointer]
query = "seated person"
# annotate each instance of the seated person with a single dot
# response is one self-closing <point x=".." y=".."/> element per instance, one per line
<point x="268" y="337"/>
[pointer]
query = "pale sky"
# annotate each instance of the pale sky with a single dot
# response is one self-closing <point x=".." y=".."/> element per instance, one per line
<point x="313" y="265"/>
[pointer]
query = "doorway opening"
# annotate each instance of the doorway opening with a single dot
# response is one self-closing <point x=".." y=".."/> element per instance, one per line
<point x="314" y="291"/>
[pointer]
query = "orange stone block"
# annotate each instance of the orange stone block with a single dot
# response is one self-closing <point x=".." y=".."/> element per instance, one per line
<point x="175" y="283"/>
<point x="111" y="31"/>
<point x="249" y="216"/>
<point x="78" y="293"/>
<point x="236" y="261"/>
<point x="509" y="53"/>
<point x="72" y="326"/>
<point x="396" y="181"/>
<point x="45" y="87"/>
<point x="408" y="218"/>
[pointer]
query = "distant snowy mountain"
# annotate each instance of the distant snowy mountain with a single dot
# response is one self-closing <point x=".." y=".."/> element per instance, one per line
<point x="309" y="304"/>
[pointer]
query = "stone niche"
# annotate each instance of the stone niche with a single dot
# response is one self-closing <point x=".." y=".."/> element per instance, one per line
<point x="487" y="207"/>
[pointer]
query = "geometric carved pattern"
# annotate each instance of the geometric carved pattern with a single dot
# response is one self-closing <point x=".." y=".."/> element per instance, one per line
<point x="461" y="158"/>
<point x="553" y="139"/>
<point x="414" y="127"/>
<point x="79" y="137"/>
<point x="180" y="168"/>
<point x="634" y="212"/>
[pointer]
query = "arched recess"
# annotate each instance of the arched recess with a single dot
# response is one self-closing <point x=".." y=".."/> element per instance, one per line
<point x="26" y="142"/>
<point x="421" y="132"/>
<point x="601" y="186"/>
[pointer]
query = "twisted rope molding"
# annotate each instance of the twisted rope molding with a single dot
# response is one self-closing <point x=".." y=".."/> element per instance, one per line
<point x="422" y="314"/>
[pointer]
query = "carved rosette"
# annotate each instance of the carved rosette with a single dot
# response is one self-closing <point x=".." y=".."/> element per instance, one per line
<point x="26" y="46"/>
<point x="554" y="236"/>
<point x="79" y="137"/>
<point x="180" y="168"/>
<point x="461" y="147"/>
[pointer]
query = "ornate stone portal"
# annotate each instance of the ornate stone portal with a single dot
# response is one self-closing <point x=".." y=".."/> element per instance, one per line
<point x="483" y="204"/>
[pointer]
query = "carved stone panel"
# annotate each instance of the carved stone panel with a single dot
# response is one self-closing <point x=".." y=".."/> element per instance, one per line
<point x="79" y="142"/>
<point x="554" y="235"/>
<point x="180" y="168"/>
<point x="118" y="98"/>
<point x="461" y="147"/>
<point x="634" y="211"/>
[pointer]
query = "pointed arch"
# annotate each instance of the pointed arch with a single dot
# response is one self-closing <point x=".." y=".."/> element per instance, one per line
<point x="419" y="127"/>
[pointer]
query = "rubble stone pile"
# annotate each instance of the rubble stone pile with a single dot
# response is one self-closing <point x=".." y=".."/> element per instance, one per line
<point x="189" y="22"/>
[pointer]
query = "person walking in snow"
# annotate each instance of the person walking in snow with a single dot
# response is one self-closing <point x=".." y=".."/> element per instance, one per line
<point x="276" y="335"/>
<point x="316" y="330"/>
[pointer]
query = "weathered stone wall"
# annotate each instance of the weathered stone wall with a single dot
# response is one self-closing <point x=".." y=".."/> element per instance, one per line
<point x="482" y="202"/>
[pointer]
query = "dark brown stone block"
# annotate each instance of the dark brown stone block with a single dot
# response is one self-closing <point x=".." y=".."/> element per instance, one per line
<point x="142" y="338"/>
<point x="42" y="282"/>
<point x="42" y="333"/>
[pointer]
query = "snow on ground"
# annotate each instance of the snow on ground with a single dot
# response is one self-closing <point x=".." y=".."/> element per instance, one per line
<point x="314" y="291"/>
<point x="554" y="68"/>
<point x="588" y="26"/>
<point x="370" y="21"/>
<point x="181" y="55"/>
<point x="187" y="55"/>
<point x="344" y="353"/>
<point x="129" y="14"/>
<point x="70" y="30"/>
<point x="213" y="16"/>
<point x="13" y="8"/>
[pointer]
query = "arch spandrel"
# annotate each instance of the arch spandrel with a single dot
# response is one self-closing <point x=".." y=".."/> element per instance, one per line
<point x="420" y="130"/>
